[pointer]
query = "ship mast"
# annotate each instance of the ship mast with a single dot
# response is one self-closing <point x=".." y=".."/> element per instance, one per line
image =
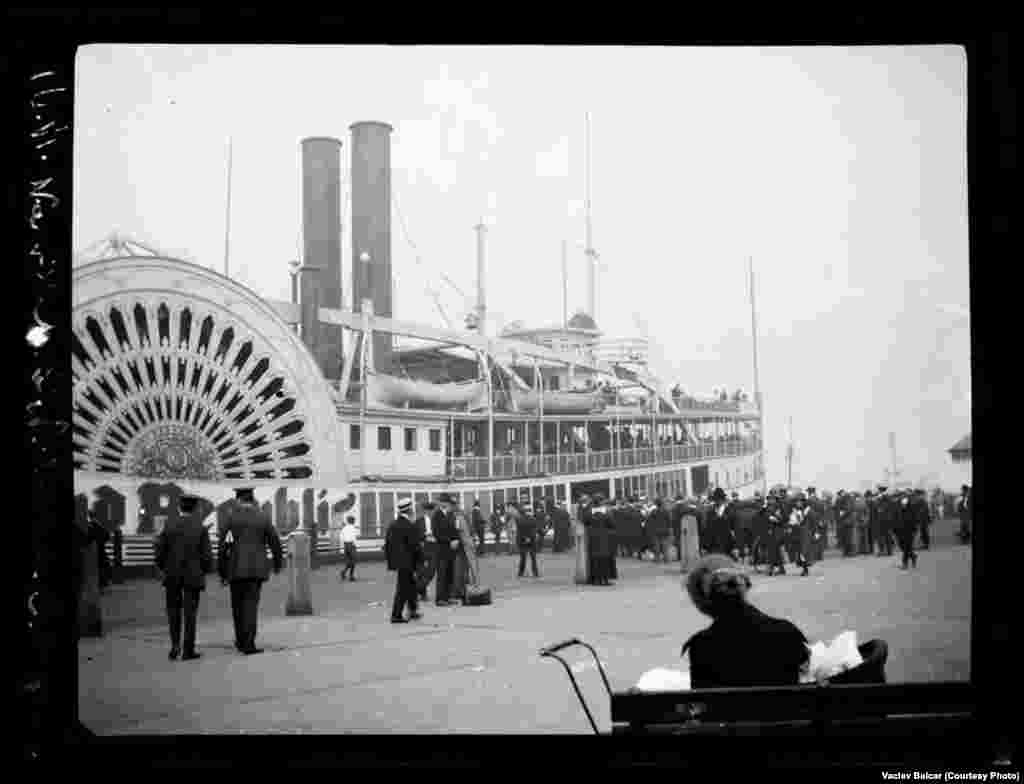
<point x="589" y="250"/>
<point x="227" y="215"/>
<point x="757" y="375"/>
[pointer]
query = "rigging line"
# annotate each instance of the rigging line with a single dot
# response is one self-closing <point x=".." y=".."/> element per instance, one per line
<point x="408" y="239"/>
<point x="416" y="254"/>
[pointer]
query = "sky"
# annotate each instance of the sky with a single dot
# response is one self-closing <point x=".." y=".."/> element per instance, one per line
<point x="840" y="173"/>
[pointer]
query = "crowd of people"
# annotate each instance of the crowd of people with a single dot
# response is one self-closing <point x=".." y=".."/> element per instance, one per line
<point x="442" y="544"/>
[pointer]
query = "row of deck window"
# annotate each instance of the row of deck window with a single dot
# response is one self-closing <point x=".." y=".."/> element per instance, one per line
<point x="410" y="435"/>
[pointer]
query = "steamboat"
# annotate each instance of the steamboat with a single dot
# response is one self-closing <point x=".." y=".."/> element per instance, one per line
<point x="187" y="381"/>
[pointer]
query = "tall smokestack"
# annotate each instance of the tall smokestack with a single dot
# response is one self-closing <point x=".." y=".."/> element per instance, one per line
<point x="320" y="281"/>
<point x="371" y="228"/>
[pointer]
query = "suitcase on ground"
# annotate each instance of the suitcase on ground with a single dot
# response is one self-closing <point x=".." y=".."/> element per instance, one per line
<point x="477" y="596"/>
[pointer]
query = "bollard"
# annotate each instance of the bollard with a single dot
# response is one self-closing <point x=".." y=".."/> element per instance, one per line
<point x="689" y="545"/>
<point x="581" y="553"/>
<point x="300" y="595"/>
<point x="118" y="540"/>
<point x="90" y="612"/>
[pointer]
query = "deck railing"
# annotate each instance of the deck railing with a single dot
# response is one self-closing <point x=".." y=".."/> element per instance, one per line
<point x="504" y="466"/>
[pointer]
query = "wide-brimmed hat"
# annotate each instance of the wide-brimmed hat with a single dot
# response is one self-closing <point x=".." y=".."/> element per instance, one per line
<point x="718" y="495"/>
<point x="188" y="502"/>
<point x="245" y="494"/>
<point x="447" y="498"/>
<point x="405" y="505"/>
<point x="716" y="582"/>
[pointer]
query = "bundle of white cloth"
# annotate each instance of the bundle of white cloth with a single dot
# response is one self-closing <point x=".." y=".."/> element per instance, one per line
<point x="660" y="679"/>
<point x="830" y="659"/>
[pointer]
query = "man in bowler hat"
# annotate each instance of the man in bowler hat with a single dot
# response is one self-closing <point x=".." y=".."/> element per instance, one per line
<point x="184" y="556"/>
<point x="245" y="564"/>
<point x="446" y="533"/>
<point x="404" y="551"/>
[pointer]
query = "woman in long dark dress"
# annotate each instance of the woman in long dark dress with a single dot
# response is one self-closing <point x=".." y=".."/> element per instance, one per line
<point x="597" y="533"/>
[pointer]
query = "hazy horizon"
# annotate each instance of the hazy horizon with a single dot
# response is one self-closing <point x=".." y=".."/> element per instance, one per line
<point x="840" y="171"/>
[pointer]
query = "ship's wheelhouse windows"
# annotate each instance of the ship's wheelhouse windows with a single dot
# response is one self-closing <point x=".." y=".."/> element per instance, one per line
<point x="435" y="439"/>
<point x="384" y="438"/>
<point x="410" y="439"/>
<point x="355" y="440"/>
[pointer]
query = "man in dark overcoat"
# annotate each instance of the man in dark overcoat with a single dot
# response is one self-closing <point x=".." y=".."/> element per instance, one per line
<point x="479" y="527"/>
<point x="184" y="556"/>
<point x="404" y="553"/>
<point x="923" y="513"/>
<point x="760" y="535"/>
<point x="906" y="529"/>
<point x="446" y="532"/>
<point x="777" y="523"/>
<point x="562" y="524"/>
<point x="526" y="539"/>
<point x="676" y="520"/>
<point x="965" y="510"/>
<point x="888" y="515"/>
<point x="659" y="531"/>
<point x="845" y="522"/>
<point x="246" y="569"/>
<point x="720" y="524"/>
<point x="636" y="527"/>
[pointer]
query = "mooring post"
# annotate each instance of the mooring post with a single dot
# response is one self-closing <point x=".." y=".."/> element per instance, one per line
<point x="300" y="594"/>
<point x="581" y="552"/>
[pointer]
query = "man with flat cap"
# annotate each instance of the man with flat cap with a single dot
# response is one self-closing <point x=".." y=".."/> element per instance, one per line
<point x="184" y="556"/>
<point x="246" y="569"/>
<point x="404" y="551"/>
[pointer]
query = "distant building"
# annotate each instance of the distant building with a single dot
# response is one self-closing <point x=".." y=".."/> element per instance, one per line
<point x="960" y="453"/>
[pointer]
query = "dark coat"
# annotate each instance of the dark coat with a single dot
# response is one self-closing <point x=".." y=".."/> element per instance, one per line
<point x="721" y="530"/>
<point x="676" y="519"/>
<point x="183" y="553"/>
<point x="445" y="532"/>
<point x="478" y="520"/>
<point x="922" y="514"/>
<point x="252" y="533"/>
<point x="965" y="508"/>
<point x="761" y="526"/>
<point x="658" y="523"/>
<point x="402" y="545"/>
<point x="721" y="655"/>
<point x="598" y="533"/>
<point x="526" y="530"/>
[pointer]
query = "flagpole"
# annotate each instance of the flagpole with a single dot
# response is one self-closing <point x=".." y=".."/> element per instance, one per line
<point x="757" y="375"/>
<point x="227" y="214"/>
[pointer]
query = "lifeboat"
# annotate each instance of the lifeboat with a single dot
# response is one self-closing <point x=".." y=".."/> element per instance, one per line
<point x="393" y="392"/>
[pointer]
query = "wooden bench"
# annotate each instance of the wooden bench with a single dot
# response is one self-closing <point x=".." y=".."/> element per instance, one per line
<point x="807" y="710"/>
